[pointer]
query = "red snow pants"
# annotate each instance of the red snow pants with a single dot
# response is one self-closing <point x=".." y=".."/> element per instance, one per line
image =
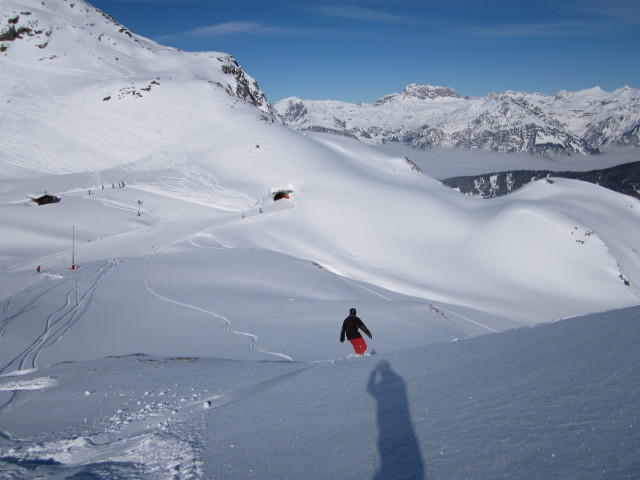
<point x="359" y="345"/>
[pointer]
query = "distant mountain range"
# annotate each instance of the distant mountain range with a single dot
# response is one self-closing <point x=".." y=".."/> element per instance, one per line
<point x="426" y="116"/>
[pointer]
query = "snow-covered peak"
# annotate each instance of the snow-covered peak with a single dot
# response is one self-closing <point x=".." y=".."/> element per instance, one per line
<point x="49" y="30"/>
<point x="419" y="92"/>
<point x="70" y="71"/>
<point x="61" y="38"/>
<point x="424" y="92"/>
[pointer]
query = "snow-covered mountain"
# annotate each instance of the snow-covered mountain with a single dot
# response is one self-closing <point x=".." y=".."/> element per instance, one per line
<point x="426" y="116"/>
<point x="71" y="72"/>
<point x="215" y="253"/>
<point x="76" y="35"/>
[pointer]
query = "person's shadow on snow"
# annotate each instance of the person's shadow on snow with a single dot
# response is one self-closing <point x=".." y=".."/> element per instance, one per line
<point x="400" y="457"/>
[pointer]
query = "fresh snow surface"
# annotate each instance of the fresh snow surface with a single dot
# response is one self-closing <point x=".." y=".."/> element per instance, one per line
<point x="198" y="335"/>
<point x="555" y="401"/>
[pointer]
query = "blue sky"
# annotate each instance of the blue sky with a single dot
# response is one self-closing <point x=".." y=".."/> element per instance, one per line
<point x="361" y="50"/>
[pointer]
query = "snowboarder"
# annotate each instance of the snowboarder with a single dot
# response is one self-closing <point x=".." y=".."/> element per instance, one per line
<point x="350" y="328"/>
<point x="38" y="269"/>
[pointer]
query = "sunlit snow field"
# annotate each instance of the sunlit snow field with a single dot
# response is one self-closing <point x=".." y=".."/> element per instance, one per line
<point x="197" y="335"/>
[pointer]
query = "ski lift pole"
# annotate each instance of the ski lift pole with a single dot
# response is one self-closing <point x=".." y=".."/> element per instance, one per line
<point x="73" y="249"/>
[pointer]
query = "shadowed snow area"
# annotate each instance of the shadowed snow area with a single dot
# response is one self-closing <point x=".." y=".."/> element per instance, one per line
<point x="554" y="401"/>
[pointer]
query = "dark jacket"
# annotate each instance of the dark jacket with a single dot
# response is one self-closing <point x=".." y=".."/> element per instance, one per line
<point x="350" y="327"/>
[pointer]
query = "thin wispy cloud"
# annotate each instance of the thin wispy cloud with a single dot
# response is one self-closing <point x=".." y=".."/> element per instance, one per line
<point x="349" y="12"/>
<point x="227" y="28"/>
<point x="558" y="29"/>
<point x="622" y="12"/>
<point x="255" y="28"/>
<point x="243" y="27"/>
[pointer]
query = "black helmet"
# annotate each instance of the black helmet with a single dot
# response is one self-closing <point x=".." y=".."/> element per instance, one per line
<point x="352" y="311"/>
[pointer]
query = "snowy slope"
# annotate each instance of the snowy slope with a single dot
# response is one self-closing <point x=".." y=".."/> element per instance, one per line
<point x="424" y="116"/>
<point x="198" y="335"/>
<point x="202" y="163"/>
<point x="82" y="93"/>
<point x="556" y="401"/>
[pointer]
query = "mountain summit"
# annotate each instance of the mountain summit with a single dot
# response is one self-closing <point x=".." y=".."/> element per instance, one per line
<point x="424" y="116"/>
<point x="420" y="92"/>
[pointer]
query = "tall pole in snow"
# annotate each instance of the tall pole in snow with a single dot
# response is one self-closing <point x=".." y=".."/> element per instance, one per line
<point x="73" y="249"/>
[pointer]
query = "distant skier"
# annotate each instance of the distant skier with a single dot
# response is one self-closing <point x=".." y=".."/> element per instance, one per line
<point x="350" y="328"/>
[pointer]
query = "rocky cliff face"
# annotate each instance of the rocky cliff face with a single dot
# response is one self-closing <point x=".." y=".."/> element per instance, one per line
<point x="426" y="116"/>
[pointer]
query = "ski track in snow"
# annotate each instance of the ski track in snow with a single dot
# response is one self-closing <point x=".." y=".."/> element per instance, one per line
<point x="4" y="319"/>
<point x="209" y="237"/>
<point x="58" y="323"/>
<point x="363" y="288"/>
<point x="253" y="339"/>
<point x="467" y="319"/>
<point x="8" y="317"/>
<point x="195" y="184"/>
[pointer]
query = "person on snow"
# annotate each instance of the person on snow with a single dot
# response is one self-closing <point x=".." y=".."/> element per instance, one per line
<point x="350" y="328"/>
